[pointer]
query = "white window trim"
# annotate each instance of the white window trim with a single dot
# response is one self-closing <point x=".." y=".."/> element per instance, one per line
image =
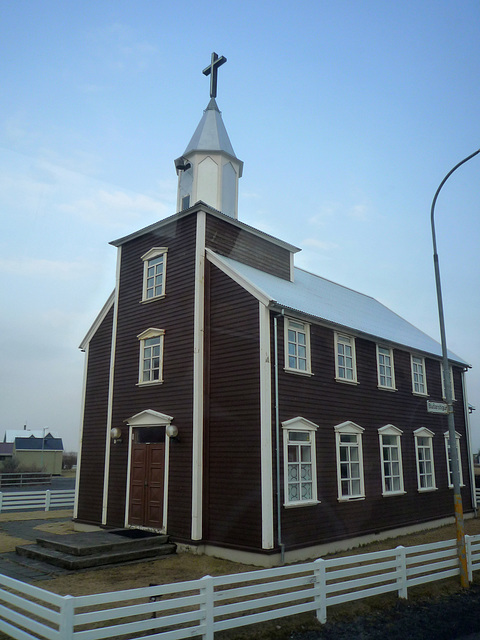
<point x="419" y="393"/>
<point x="459" y="454"/>
<point x="390" y="430"/>
<point x="450" y="369"/>
<point x="154" y="253"/>
<point x="145" y="335"/>
<point x="425" y="433"/>
<point x="380" y="385"/>
<point x="308" y="370"/>
<point x="299" y="424"/>
<point x="349" y="428"/>
<point x="339" y="334"/>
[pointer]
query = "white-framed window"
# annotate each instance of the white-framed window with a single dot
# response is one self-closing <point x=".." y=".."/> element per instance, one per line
<point x="444" y="394"/>
<point x="348" y="436"/>
<point x="424" y="457"/>
<point x="151" y="356"/>
<point x="419" y="377"/>
<point x="385" y="368"/>
<point x="449" y="458"/>
<point x="297" y="346"/>
<point x="391" y="460"/>
<point x="300" y="469"/>
<point x="154" y="271"/>
<point x="345" y="361"/>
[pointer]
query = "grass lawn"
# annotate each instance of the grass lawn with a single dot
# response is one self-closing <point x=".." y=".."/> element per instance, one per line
<point x="189" y="567"/>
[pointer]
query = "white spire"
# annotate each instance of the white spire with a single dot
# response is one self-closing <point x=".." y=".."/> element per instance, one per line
<point x="209" y="169"/>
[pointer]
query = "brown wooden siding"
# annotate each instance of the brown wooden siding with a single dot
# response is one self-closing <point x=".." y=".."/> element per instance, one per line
<point x="90" y="486"/>
<point x="232" y="461"/>
<point x="328" y="403"/>
<point x="248" y="248"/>
<point x="174" y="314"/>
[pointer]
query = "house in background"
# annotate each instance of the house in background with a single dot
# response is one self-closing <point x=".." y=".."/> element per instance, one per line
<point x="36" y="449"/>
<point x="6" y="452"/>
<point x="248" y="408"/>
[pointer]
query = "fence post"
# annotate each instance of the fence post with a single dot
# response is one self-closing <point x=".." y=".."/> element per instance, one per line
<point x="1" y="501"/>
<point x="67" y="610"/>
<point x="47" y="499"/>
<point x="468" y="547"/>
<point x="401" y="557"/>
<point x="320" y="587"/>
<point x="207" y="606"/>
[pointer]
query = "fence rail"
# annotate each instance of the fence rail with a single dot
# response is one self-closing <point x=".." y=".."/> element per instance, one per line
<point x="19" y="478"/>
<point x="200" y="608"/>
<point x="38" y="500"/>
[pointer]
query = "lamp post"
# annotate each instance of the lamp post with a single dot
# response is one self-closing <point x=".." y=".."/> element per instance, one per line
<point x="455" y="467"/>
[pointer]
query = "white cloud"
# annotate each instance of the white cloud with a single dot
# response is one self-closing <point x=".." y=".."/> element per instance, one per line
<point x="313" y="243"/>
<point x="114" y="208"/>
<point x="41" y="268"/>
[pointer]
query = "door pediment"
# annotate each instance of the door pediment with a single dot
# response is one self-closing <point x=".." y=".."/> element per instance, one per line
<point x="149" y="418"/>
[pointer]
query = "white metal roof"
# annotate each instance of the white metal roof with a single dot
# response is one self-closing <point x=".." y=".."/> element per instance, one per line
<point x="335" y="304"/>
<point x="210" y="134"/>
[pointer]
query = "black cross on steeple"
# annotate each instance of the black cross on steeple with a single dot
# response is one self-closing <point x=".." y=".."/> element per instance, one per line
<point x="212" y="71"/>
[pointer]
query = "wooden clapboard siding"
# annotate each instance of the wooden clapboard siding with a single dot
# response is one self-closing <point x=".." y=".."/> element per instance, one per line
<point x="233" y="242"/>
<point x="232" y="464"/>
<point x="173" y="314"/>
<point x="90" y="486"/>
<point x="328" y="403"/>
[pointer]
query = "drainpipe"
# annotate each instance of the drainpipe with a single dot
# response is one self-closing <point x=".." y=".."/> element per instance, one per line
<point x="277" y="435"/>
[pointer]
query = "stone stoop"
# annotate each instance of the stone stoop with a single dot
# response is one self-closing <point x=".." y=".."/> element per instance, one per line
<point x="97" y="548"/>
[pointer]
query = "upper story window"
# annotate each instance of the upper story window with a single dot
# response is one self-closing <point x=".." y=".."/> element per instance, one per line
<point x="297" y="346"/>
<point x="300" y="469"/>
<point x="385" y="369"/>
<point x="350" y="481"/>
<point x="425" y="463"/>
<point x="419" y="378"/>
<point x="444" y="394"/>
<point x="391" y="459"/>
<point x="151" y="356"/>
<point x="449" y="458"/>
<point x="345" y="362"/>
<point x="154" y="270"/>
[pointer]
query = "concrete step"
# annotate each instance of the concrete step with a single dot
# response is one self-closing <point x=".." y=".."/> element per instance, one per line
<point x="112" y="556"/>
<point x="96" y="542"/>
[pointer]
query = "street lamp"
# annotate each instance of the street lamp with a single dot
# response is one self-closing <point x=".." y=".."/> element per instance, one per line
<point x="457" y="497"/>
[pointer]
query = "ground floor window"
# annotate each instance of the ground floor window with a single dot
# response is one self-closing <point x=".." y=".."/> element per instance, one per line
<point x="349" y="461"/>
<point x="391" y="460"/>
<point x="449" y="458"/>
<point x="300" y="473"/>
<point x="425" y="462"/>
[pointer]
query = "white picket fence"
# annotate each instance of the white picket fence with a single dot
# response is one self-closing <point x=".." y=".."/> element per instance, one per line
<point x="38" y="500"/>
<point x="200" y="608"/>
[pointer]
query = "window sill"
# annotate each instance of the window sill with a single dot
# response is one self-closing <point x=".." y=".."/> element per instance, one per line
<point x="420" y="395"/>
<point x="296" y="372"/>
<point x="427" y="490"/>
<point x="345" y="381"/>
<point x="393" y="493"/>
<point x="154" y="383"/>
<point x="351" y="498"/>
<point x="147" y="300"/>
<point x="304" y="503"/>
<point x="387" y="388"/>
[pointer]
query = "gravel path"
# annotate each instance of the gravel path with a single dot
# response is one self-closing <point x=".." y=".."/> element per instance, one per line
<point x="452" y="617"/>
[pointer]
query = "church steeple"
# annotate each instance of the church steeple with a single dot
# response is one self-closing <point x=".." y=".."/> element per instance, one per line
<point x="209" y="170"/>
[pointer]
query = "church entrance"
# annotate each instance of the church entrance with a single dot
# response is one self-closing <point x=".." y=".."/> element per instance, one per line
<point x="147" y="477"/>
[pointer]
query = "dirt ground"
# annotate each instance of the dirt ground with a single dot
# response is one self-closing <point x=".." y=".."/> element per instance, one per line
<point x="181" y="567"/>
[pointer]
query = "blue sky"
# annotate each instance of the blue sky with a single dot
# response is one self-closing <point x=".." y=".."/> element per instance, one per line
<point x="347" y="115"/>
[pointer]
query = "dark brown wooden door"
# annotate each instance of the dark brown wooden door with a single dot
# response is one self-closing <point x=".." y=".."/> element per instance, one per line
<point x="146" y="484"/>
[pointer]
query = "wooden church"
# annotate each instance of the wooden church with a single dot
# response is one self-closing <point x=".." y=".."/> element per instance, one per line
<point x="250" y="409"/>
